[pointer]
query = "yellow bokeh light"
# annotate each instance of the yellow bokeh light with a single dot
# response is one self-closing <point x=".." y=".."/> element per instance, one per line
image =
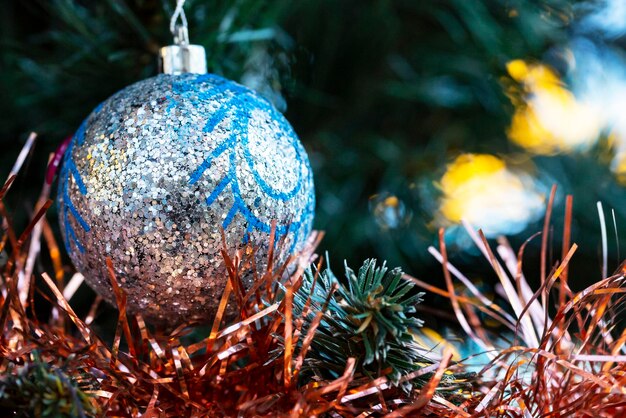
<point x="551" y="119"/>
<point x="481" y="189"/>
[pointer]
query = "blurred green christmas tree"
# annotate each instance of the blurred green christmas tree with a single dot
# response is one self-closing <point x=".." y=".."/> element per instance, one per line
<point x="384" y="95"/>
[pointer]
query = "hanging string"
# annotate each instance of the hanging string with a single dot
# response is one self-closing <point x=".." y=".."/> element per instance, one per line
<point x="179" y="30"/>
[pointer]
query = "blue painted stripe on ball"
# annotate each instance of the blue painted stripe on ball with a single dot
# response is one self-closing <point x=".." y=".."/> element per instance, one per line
<point x="250" y="218"/>
<point x="276" y="194"/>
<point x="260" y="225"/>
<point x="198" y="172"/>
<point x="67" y="237"/>
<point x="216" y="117"/>
<point x="171" y="102"/>
<point x="79" y="180"/>
<point x="249" y="230"/>
<point x="75" y="213"/>
<point x="217" y="190"/>
<point x="69" y="231"/>
<point x="70" y="234"/>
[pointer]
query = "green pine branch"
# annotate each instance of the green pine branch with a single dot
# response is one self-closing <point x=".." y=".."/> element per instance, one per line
<point x="371" y="316"/>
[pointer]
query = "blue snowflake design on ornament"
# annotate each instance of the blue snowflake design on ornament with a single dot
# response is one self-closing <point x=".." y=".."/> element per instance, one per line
<point x="68" y="170"/>
<point x="237" y="103"/>
<point x="242" y="101"/>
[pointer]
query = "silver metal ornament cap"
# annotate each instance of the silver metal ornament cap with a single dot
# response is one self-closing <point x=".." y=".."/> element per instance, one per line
<point x="182" y="57"/>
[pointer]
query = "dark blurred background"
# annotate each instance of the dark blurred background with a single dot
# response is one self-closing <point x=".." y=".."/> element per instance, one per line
<point x="407" y="109"/>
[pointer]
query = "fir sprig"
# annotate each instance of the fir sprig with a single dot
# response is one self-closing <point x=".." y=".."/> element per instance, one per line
<point x="42" y="390"/>
<point x="371" y="316"/>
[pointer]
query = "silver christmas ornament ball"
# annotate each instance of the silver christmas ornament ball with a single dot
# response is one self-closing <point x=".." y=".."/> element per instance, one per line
<point x="158" y="170"/>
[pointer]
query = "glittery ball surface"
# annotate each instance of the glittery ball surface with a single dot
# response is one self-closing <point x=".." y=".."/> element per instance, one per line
<point x="155" y="174"/>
